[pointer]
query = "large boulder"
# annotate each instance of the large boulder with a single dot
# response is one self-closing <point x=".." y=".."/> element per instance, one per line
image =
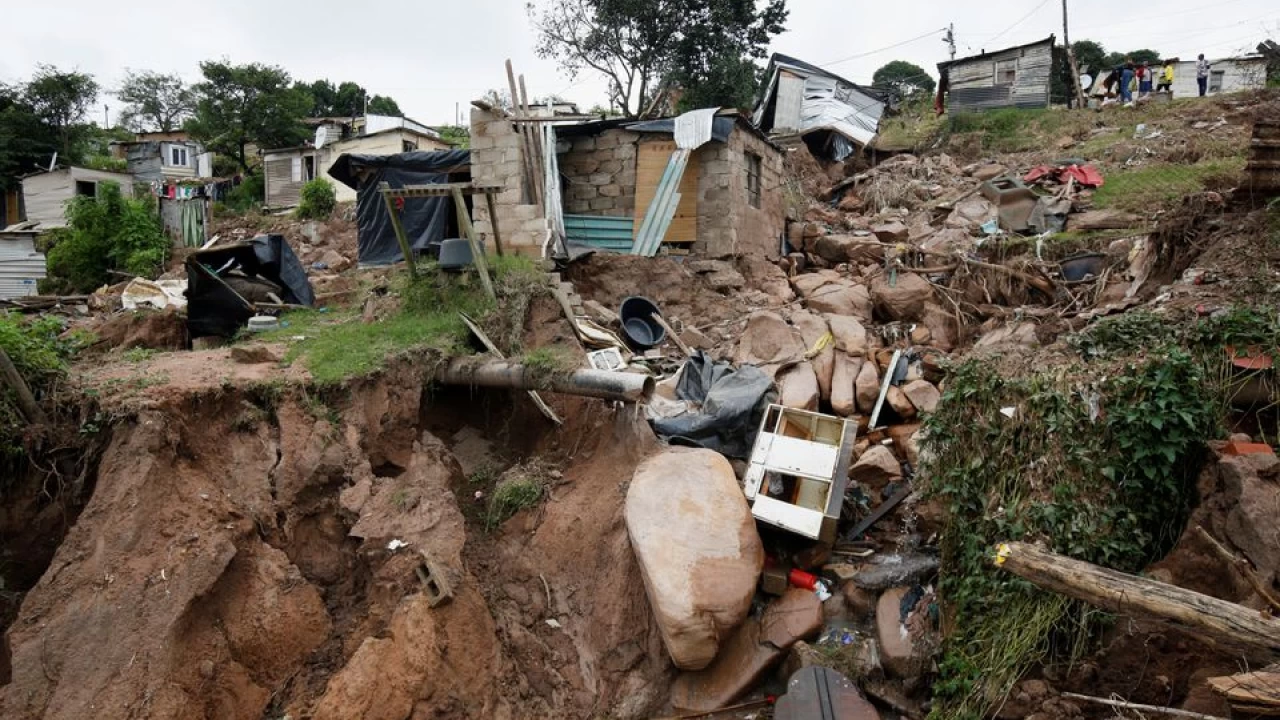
<point x="1249" y="483"/>
<point x="867" y="387"/>
<point x="1009" y="337"/>
<point x="942" y="327"/>
<point x="798" y="387"/>
<point x="697" y="547"/>
<point x="768" y="341"/>
<point x="903" y="642"/>
<point x="971" y="213"/>
<point x="902" y="300"/>
<point x="923" y="395"/>
<point x="843" y="392"/>
<point x="849" y="334"/>
<point x="837" y="249"/>
<point x="876" y="468"/>
<point x="897" y="399"/>
<point x="812" y="328"/>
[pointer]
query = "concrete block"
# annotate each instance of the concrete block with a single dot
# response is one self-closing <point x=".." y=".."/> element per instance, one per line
<point x="601" y="179"/>
<point x="535" y="225"/>
<point x="581" y="144"/>
<point x="608" y="140"/>
<point x="613" y="167"/>
<point x="525" y="212"/>
<point x="482" y="142"/>
<point x="603" y="203"/>
<point x="611" y="191"/>
<point x="626" y="136"/>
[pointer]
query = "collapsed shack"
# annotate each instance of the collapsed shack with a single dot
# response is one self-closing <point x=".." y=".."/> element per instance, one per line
<point x="228" y="284"/>
<point x="835" y="117"/>
<point x="425" y="220"/>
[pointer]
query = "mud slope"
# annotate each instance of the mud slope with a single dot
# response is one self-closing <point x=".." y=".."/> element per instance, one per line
<point x="233" y="563"/>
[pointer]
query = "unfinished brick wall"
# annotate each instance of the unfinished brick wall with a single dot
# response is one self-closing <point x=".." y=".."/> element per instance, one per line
<point x="601" y="174"/>
<point x="727" y="222"/>
<point x="495" y="160"/>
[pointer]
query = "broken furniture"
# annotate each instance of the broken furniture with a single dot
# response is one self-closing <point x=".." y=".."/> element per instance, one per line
<point x="229" y="283"/>
<point x="798" y="471"/>
<point x="1014" y="201"/>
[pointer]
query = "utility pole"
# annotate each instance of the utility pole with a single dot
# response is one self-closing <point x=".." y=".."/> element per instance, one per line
<point x="950" y="38"/>
<point x="1071" y="59"/>
<point x="106" y="118"/>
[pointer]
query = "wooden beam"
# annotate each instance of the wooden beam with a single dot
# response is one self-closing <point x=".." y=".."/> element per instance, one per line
<point x="1208" y="618"/>
<point x="477" y="252"/>
<point x="26" y="401"/>
<point x="1158" y="710"/>
<point x="526" y="160"/>
<point x="401" y="237"/>
<point x="535" y="142"/>
<point x="438" y="190"/>
<point x="493" y="221"/>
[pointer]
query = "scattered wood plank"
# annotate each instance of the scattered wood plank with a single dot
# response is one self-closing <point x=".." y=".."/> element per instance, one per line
<point x="477" y="252"/>
<point x="401" y="237"/>
<point x="493" y="221"/>
<point x="671" y="333"/>
<point x="543" y="407"/>
<point x="878" y="514"/>
<point x="1210" y="619"/>
<point x="1175" y="712"/>
<point x="1242" y="566"/>
<point x="1258" y="691"/>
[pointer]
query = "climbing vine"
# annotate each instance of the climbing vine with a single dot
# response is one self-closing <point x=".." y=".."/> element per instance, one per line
<point x="1096" y="460"/>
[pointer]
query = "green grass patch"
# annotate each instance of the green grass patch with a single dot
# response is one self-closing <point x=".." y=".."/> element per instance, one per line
<point x="139" y="354"/>
<point x="39" y="350"/>
<point x="337" y="346"/>
<point x="1154" y="186"/>
<point x="510" y="497"/>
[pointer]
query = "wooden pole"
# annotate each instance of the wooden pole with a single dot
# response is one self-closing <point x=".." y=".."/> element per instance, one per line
<point x="1216" y="621"/>
<point x="1175" y="712"/>
<point x="401" y="237"/>
<point x="26" y="401"/>
<point x="1242" y="566"/>
<point x="526" y="162"/>
<point x="477" y="252"/>
<point x="535" y="141"/>
<point x="493" y="221"/>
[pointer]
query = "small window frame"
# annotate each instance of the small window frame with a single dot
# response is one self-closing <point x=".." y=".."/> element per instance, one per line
<point x="754" y="166"/>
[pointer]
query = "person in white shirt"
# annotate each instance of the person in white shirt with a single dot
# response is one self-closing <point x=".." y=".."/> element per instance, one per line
<point x="1202" y="74"/>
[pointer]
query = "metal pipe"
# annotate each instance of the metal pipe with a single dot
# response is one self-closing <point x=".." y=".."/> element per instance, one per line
<point x="627" y="387"/>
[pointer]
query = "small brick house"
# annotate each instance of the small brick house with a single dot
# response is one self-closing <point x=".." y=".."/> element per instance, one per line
<point x="731" y="201"/>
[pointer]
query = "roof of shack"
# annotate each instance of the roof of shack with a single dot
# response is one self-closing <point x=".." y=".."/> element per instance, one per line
<point x="942" y="66"/>
<point x="721" y="128"/>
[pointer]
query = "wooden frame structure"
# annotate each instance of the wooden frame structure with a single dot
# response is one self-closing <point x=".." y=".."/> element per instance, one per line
<point x="457" y="191"/>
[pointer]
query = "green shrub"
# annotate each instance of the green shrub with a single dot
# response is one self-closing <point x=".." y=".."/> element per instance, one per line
<point x="39" y="352"/>
<point x="317" y="201"/>
<point x="248" y="194"/>
<point x="103" y="233"/>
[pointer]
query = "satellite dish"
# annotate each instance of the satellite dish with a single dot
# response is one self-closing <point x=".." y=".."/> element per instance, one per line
<point x="1086" y="81"/>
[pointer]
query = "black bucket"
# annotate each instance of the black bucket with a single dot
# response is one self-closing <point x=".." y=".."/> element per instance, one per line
<point x="638" y="326"/>
<point x="1078" y="267"/>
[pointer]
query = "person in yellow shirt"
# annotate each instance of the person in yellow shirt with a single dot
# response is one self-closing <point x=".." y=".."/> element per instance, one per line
<point x="1166" y="78"/>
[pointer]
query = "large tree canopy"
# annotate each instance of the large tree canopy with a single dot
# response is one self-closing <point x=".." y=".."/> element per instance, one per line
<point x="61" y="100"/>
<point x="705" y="47"/>
<point x="154" y="101"/>
<point x="242" y="104"/>
<point x="346" y="100"/>
<point x="904" y="79"/>
<point x="26" y="143"/>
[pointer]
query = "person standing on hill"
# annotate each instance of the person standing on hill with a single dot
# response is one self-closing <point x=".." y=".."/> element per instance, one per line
<point x="1166" y="78"/>
<point x="1126" y="82"/>
<point x="1202" y="74"/>
<point x="1144" y="79"/>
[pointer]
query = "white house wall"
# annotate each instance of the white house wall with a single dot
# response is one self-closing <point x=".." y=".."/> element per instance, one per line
<point x="1238" y="75"/>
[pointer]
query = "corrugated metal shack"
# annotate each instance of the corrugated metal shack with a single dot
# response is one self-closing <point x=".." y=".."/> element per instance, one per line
<point x="833" y="115"/>
<point x="1012" y="77"/>
<point x="21" y="266"/>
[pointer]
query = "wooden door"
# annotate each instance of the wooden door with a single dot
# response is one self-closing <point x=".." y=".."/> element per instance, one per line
<point x="651" y="162"/>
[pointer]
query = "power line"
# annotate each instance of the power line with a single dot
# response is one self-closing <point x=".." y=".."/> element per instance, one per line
<point x="1020" y="21"/>
<point x="931" y="33"/>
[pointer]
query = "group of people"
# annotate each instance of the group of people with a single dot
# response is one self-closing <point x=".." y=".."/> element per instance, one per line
<point x="1129" y="77"/>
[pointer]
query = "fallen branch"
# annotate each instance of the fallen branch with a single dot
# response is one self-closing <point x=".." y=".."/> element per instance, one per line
<point x="26" y="401"/>
<point x="1242" y="566"/>
<point x="1042" y="284"/>
<point x="1211" y="619"/>
<point x="1175" y="712"/>
<point x="671" y="333"/>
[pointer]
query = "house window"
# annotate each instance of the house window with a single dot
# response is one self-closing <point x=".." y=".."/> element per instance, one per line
<point x="753" y="179"/>
<point x="1006" y="71"/>
<point x="1215" y="80"/>
<point x="408" y="146"/>
<point x="86" y="188"/>
<point x="177" y="156"/>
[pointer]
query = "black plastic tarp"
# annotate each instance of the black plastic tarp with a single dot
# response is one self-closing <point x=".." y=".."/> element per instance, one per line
<point x="729" y="404"/>
<point x="425" y="220"/>
<point x="213" y="308"/>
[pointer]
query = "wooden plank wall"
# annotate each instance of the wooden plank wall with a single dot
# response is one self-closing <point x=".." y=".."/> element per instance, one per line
<point x="651" y="162"/>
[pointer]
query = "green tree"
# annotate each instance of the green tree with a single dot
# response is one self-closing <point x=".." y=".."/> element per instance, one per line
<point x="383" y="105"/>
<point x="238" y="105"/>
<point x="61" y="100"/>
<point x="703" y="46"/>
<point x="1091" y="57"/>
<point x="26" y="143"/>
<point x="154" y="101"/>
<point x="904" y="79"/>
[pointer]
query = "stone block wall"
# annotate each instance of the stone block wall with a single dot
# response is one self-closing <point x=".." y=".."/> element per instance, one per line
<point x="495" y="160"/>
<point x="601" y="174"/>
<point x="727" y="222"/>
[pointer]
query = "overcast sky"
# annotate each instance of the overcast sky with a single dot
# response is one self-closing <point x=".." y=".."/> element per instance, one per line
<point x="433" y="57"/>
